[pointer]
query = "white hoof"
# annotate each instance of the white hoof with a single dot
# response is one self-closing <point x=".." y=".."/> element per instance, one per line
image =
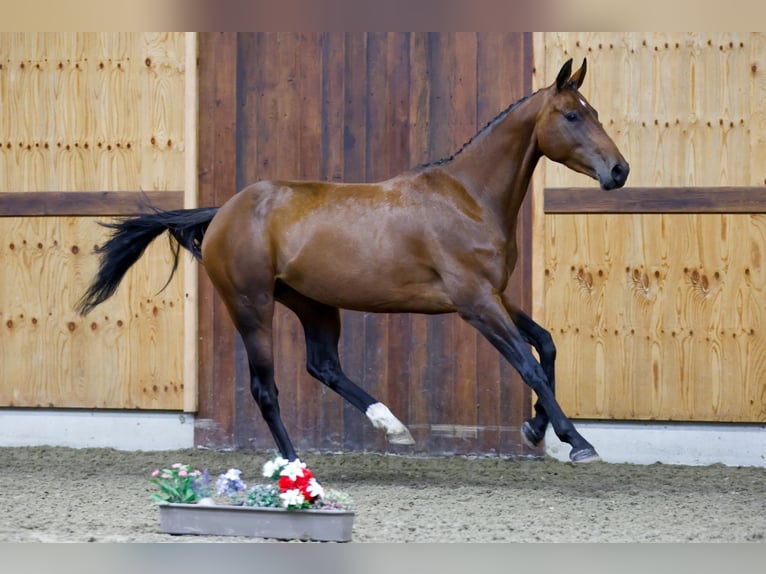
<point x="382" y="418"/>
<point x="403" y="437"/>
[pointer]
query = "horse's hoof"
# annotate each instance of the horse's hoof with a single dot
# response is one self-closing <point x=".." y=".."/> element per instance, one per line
<point x="400" y="437"/>
<point x="530" y="436"/>
<point x="584" y="455"/>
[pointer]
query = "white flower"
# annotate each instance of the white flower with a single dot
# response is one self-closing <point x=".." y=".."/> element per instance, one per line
<point x="292" y="497"/>
<point x="293" y="469"/>
<point x="233" y="474"/>
<point x="315" y="489"/>
<point x="271" y="467"/>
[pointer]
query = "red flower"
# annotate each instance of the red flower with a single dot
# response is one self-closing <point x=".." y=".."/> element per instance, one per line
<point x="286" y="483"/>
<point x="301" y="483"/>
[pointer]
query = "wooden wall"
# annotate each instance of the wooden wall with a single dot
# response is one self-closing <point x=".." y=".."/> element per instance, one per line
<point x="655" y="296"/>
<point x="357" y="107"/>
<point x="90" y="124"/>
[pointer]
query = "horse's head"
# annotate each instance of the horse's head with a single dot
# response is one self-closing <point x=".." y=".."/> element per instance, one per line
<point x="568" y="131"/>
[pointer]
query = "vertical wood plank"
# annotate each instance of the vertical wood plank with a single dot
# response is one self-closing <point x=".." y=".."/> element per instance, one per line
<point x="464" y="408"/>
<point x="354" y="169"/>
<point x="191" y="271"/>
<point x="397" y="116"/>
<point x="419" y="145"/>
<point x="377" y="167"/>
<point x="217" y="183"/>
<point x="504" y="76"/>
<point x="250" y="430"/>
<point x="333" y="54"/>
<point x="440" y="374"/>
<point x="289" y="353"/>
<point x="308" y="58"/>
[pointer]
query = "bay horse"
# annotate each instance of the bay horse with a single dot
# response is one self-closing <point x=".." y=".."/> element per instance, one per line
<point x="439" y="238"/>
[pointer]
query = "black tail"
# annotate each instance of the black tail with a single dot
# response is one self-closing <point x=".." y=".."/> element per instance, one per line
<point x="132" y="235"/>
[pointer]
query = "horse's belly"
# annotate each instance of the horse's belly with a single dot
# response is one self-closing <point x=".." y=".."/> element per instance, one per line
<point x="373" y="286"/>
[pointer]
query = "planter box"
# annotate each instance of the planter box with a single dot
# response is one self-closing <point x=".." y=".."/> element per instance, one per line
<point x="222" y="520"/>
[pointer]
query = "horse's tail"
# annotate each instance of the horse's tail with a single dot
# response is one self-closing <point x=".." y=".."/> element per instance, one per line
<point x="132" y="235"/>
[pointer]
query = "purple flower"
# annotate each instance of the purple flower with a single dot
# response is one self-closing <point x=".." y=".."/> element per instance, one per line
<point x="230" y="484"/>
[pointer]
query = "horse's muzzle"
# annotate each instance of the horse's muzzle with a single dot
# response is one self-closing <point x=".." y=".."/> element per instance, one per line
<point x="619" y="175"/>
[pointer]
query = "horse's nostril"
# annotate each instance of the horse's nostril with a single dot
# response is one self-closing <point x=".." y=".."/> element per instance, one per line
<point x="620" y="173"/>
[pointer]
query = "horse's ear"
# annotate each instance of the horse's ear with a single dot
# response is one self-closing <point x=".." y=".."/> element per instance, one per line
<point x="579" y="76"/>
<point x="563" y="77"/>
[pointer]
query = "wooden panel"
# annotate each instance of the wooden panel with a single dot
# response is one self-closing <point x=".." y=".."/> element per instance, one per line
<point x="217" y="182"/>
<point x="360" y="107"/>
<point x="73" y="203"/>
<point x="354" y="165"/>
<point x="122" y="355"/>
<point x="91" y="111"/>
<point x="93" y="124"/>
<point x="656" y="200"/>
<point x="679" y="105"/>
<point x="657" y="316"/>
<point x="333" y="104"/>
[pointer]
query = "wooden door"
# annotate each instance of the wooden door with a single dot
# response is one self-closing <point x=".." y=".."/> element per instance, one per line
<point x="358" y="107"/>
<point x="90" y="125"/>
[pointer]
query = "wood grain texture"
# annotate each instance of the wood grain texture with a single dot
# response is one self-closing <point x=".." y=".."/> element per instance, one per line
<point x="93" y="124"/>
<point x="85" y="203"/>
<point x="218" y="362"/>
<point x="92" y="111"/>
<point x="363" y="107"/>
<point x="650" y="290"/>
<point x="659" y="317"/>
<point x="120" y="356"/>
<point x="656" y="200"/>
<point x="190" y="201"/>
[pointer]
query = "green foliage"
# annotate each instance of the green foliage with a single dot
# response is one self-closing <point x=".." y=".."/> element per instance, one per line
<point x="263" y="496"/>
<point x="180" y="484"/>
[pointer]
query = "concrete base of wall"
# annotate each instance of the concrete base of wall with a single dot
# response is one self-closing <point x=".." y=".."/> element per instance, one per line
<point x="669" y="443"/>
<point x="636" y="443"/>
<point x="97" y="429"/>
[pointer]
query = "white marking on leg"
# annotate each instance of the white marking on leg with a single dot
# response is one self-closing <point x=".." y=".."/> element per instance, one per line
<point x="382" y="418"/>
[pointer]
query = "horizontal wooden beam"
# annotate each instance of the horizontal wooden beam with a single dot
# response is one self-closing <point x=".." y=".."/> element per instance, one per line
<point x="656" y="200"/>
<point x="85" y="203"/>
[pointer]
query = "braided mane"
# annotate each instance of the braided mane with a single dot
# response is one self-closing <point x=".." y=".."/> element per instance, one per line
<point x="489" y="125"/>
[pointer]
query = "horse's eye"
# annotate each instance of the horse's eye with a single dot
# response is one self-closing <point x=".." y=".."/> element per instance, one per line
<point x="572" y="116"/>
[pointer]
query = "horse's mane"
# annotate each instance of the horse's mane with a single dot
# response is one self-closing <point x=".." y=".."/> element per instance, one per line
<point x="489" y="125"/>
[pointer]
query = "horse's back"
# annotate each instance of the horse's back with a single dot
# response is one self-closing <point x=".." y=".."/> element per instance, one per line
<point x="348" y="245"/>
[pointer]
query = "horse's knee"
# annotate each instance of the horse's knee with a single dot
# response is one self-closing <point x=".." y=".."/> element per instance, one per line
<point x="546" y="346"/>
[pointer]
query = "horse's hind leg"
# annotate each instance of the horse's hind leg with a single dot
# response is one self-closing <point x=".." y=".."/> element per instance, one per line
<point x="254" y="323"/>
<point x="488" y="312"/>
<point x="533" y="430"/>
<point x="321" y="324"/>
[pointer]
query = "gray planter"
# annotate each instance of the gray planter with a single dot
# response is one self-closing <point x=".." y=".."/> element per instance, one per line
<point x="221" y="520"/>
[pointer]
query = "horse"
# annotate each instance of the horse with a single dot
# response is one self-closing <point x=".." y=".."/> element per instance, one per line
<point x="438" y="238"/>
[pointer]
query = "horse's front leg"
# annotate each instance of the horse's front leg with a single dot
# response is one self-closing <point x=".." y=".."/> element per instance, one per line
<point x="488" y="314"/>
<point x="533" y="430"/>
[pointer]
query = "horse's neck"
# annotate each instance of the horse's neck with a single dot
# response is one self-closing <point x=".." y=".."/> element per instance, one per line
<point x="497" y="166"/>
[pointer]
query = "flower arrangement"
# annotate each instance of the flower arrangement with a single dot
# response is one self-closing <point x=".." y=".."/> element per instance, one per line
<point x="180" y="483"/>
<point x="292" y="486"/>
